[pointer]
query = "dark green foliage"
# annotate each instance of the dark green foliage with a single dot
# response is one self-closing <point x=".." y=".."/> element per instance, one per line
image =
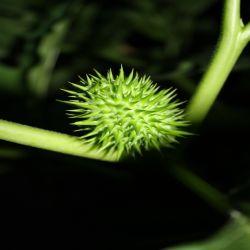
<point x="44" y="46"/>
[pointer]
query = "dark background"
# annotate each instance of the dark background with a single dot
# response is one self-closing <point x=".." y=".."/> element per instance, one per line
<point x="49" y="199"/>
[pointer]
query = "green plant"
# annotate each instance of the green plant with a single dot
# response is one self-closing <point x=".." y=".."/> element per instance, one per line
<point x="110" y="126"/>
<point x="120" y="115"/>
<point x="125" y="114"/>
<point x="234" y="38"/>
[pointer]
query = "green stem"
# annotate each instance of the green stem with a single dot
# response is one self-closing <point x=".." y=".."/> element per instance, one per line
<point x="234" y="38"/>
<point x="204" y="190"/>
<point x="50" y="140"/>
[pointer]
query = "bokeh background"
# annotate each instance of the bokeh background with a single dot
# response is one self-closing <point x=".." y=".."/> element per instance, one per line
<point x="60" y="200"/>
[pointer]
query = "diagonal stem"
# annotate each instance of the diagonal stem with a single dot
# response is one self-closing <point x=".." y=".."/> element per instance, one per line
<point x="50" y="140"/>
<point x="202" y="189"/>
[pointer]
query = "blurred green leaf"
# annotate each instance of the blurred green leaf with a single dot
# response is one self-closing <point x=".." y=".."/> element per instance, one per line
<point x="11" y="153"/>
<point x="9" y="79"/>
<point x="234" y="236"/>
<point x="244" y="206"/>
<point x="48" y="50"/>
<point x="193" y="6"/>
<point x="14" y="24"/>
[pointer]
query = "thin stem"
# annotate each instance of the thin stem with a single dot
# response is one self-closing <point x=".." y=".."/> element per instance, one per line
<point x="233" y="40"/>
<point x="204" y="190"/>
<point x="50" y="140"/>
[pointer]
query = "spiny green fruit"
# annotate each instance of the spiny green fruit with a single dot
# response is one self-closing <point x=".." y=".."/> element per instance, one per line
<point x="125" y="114"/>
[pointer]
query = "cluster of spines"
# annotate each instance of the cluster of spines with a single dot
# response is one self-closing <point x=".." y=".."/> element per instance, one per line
<point x="125" y="114"/>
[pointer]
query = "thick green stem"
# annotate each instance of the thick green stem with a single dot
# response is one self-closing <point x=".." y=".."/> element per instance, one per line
<point x="234" y="38"/>
<point x="49" y="140"/>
